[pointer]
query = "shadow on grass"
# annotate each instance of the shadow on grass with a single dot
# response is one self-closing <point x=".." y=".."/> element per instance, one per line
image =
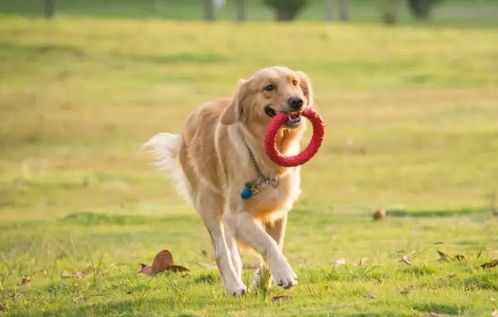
<point x="437" y="213"/>
<point x="131" y="307"/>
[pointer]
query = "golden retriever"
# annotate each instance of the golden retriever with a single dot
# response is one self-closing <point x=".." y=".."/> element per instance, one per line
<point x="221" y="150"/>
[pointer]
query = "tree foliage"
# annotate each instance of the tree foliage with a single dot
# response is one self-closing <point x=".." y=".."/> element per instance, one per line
<point x="422" y="9"/>
<point x="286" y="10"/>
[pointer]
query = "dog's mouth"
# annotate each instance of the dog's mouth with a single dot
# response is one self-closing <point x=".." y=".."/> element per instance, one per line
<point x="293" y="121"/>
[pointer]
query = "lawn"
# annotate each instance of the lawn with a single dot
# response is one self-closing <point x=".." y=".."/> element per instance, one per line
<point x="411" y="117"/>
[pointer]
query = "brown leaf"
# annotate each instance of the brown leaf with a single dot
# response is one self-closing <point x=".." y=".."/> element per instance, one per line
<point x="449" y="276"/>
<point x="26" y="280"/>
<point x="65" y="274"/>
<point x="370" y="295"/>
<point x="146" y="269"/>
<point x="163" y="261"/>
<point x="489" y="265"/>
<point x="363" y="261"/>
<point x="379" y="214"/>
<point x="405" y="260"/>
<point x="279" y="298"/>
<point x="340" y="262"/>
<point x="406" y="290"/>
<point x="442" y="256"/>
<point x="177" y="268"/>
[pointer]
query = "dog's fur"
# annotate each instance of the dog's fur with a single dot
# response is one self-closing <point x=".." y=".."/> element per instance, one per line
<point x="209" y="162"/>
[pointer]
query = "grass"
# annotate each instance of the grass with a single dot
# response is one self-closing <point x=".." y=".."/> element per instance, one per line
<point x="411" y="118"/>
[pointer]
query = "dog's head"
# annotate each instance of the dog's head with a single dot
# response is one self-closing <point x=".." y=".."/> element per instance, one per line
<point x="268" y="91"/>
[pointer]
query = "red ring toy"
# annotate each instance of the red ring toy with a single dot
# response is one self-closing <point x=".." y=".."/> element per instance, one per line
<point x="307" y="153"/>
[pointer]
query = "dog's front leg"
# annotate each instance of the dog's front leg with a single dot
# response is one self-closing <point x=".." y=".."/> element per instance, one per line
<point x="251" y="232"/>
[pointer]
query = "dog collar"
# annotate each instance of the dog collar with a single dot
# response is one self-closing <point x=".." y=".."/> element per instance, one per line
<point x="254" y="187"/>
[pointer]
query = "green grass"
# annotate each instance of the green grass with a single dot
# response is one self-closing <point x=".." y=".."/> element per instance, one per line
<point x="411" y="118"/>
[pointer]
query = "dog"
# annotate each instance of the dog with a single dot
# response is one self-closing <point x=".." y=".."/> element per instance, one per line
<point x="220" y="152"/>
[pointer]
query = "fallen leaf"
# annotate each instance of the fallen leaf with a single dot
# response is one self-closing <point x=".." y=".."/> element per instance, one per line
<point x="370" y="295"/>
<point x="26" y="280"/>
<point x="407" y="290"/>
<point x="65" y="274"/>
<point x="163" y="261"/>
<point x="489" y="265"/>
<point x="442" y="256"/>
<point x="379" y="214"/>
<point x="177" y="268"/>
<point x="363" y="261"/>
<point x="449" y="276"/>
<point x="279" y="298"/>
<point x="459" y="257"/>
<point x="405" y="260"/>
<point x="340" y="262"/>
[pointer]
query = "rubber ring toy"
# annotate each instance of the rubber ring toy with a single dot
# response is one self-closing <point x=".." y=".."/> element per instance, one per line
<point x="308" y="152"/>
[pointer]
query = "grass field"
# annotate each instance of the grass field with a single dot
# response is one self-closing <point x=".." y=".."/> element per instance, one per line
<point x="412" y="127"/>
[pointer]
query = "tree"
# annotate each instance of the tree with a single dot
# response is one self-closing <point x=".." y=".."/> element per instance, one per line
<point x="422" y="9"/>
<point x="209" y="10"/>
<point x="389" y="11"/>
<point x="344" y="10"/>
<point x="286" y="10"/>
<point x="48" y="9"/>
<point x="241" y="14"/>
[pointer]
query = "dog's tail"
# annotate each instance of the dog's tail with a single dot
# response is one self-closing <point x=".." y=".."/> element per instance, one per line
<point x="165" y="148"/>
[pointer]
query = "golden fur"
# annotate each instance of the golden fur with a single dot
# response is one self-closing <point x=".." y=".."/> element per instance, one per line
<point x="211" y="164"/>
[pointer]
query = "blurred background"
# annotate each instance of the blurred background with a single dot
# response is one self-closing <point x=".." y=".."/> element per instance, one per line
<point x="408" y="90"/>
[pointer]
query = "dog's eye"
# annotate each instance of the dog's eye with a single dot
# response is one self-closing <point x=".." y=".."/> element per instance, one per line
<point x="270" y="87"/>
<point x="294" y="82"/>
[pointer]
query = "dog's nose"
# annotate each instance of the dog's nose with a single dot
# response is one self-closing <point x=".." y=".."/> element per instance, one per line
<point x="295" y="103"/>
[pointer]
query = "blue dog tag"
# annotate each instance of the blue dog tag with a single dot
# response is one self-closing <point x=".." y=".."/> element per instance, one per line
<point x="246" y="193"/>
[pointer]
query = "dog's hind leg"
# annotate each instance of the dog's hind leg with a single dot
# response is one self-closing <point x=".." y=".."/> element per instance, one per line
<point x="210" y="206"/>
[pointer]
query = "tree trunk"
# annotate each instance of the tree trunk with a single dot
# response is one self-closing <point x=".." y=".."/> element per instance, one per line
<point x="209" y="10"/>
<point x="241" y="13"/>
<point x="344" y="10"/>
<point x="329" y="10"/>
<point x="390" y="11"/>
<point x="48" y="9"/>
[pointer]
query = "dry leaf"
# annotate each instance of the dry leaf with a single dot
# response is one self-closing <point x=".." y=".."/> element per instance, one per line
<point x="65" y="274"/>
<point x="177" y="268"/>
<point x="442" y="256"/>
<point x="279" y="298"/>
<point x="489" y="265"/>
<point x="406" y="290"/>
<point x="449" y="276"/>
<point x="379" y="214"/>
<point x="163" y="261"/>
<point x="370" y="295"/>
<point x="26" y="280"/>
<point x="405" y="260"/>
<point x="363" y="261"/>
<point x="340" y="262"/>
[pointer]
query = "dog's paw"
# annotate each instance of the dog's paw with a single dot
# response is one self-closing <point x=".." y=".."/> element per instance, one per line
<point x="237" y="289"/>
<point x="283" y="275"/>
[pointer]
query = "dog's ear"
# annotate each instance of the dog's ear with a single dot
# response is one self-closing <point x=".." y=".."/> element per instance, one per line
<point x="235" y="111"/>
<point x="305" y="83"/>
